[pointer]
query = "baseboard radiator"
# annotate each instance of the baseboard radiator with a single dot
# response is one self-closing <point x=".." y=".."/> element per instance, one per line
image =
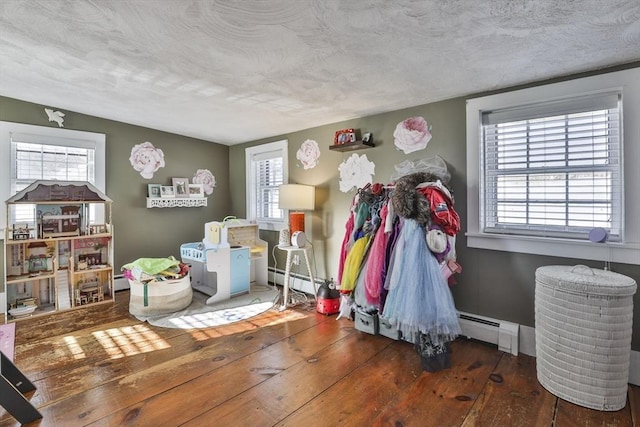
<point x="120" y="283"/>
<point x="298" y="281"/>
<point x="502" y="333"/>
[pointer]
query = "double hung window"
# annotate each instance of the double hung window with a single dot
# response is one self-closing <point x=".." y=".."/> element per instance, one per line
<point x="553" y="169"/>
<point x="36" y="153"/>
<point x="266" y="171"/>
<point x="549" y="165"/>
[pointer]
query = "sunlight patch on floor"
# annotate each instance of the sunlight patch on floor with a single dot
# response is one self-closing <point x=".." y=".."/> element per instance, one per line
<point x="74" y="348"/>
<point x="129" y="341"/>
<point x="269" y="318"/>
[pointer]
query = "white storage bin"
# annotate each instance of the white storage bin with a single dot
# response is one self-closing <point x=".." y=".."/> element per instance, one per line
<point x="164" y="297"/>
<point x="388" y="329"/>
<point x="366" y="322"/>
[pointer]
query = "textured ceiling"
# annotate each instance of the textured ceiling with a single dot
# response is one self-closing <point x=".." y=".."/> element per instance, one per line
<point x="235" y="71"/>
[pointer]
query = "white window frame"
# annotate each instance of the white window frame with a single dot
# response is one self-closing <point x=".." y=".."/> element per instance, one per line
<point x="251" y="153"/>
<point x="48" y="136"/>
<point x="628" y="249"/>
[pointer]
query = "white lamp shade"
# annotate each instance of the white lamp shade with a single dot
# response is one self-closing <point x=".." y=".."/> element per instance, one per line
<point x="297" y="197"/>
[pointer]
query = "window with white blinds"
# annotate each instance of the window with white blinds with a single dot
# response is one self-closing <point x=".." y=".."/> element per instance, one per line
<point x="268" y="177"/>
<point x="550" y="163"/>
<point x="554" y="169"/>
<point x="29" y="153"/>
<point x="267" y="170"/>
<point x="32" y="162"/>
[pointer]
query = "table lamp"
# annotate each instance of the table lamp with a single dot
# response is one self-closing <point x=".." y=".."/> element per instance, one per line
<point x="297" y="198"/>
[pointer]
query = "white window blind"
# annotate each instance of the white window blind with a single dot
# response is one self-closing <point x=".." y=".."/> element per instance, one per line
<point x="62" y="161"/>
<point x="267" y="169"/>
<point x="553" y="169"/>
<point x="268" y="176"/>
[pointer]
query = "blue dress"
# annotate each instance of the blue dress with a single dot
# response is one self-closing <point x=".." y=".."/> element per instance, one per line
<point x="419" y="300"/>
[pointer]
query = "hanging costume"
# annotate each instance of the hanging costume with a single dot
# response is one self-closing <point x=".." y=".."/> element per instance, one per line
<point x="419" y="299"/>
<point x="395" y="251"/>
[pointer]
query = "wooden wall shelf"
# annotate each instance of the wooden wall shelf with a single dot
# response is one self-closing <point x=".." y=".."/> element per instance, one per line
<point x="351" y="146"/>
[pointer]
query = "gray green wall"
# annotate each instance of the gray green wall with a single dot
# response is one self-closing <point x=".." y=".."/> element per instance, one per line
<point x="138" y="231"/>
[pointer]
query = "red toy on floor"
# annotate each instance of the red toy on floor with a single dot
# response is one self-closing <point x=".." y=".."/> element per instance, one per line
<point x="327" y="299"/>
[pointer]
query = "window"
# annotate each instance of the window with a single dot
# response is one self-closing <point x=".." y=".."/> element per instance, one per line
<point x="553" y="169"/>
<point x="546" y="166"/>
<point x="35" y="152"/>
<point x="267" y="168"/>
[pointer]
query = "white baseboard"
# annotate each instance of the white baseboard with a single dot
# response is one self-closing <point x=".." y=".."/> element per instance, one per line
<point x="500" y="332"/>
<point x="296" y="281"/>
<point x="120" y="283"/>
<point x="528" y="340"/>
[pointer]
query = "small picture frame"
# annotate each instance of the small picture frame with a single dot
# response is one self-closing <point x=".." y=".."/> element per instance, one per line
<point x="196" y="190"/>
<point x="180" y="187"/>
<point x="153" y="191"/>
<point x="167" y="192"/>
<point x="344" y="136"/>
<point x="102" y="228"/>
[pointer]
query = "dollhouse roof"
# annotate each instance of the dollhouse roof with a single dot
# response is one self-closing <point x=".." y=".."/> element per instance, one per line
<point x="59" y="191"/>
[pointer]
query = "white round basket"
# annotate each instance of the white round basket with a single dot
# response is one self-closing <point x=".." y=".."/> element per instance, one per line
<point x="159" y="297"/>
<point x="583" y="329"/>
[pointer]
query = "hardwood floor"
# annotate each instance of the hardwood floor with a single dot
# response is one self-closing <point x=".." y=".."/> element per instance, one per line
<point x="102" y="367"/>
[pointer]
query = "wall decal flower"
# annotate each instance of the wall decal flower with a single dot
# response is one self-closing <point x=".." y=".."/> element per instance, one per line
<point x="308" y="154"/>
<point x="356" y="171"/>
<point x="412" y="134"/>
<point x="146" y="159"/>
<point x="206" y="178"/>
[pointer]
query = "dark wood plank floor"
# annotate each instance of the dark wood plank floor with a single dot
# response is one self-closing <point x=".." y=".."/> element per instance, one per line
<point x="100" y="366"/>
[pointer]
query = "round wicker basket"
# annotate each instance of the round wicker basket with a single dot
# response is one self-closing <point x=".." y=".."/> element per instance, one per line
<point x="583" y="328"/>
<point x="159" y="297"/>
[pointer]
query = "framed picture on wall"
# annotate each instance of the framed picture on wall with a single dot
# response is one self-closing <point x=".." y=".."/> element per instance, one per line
<point x="166" y="192"/>
<point x="196" y="190"/>
<point x="153" y="190"/>
<point x="180" y="187"/>
<point x="344" y="136"/>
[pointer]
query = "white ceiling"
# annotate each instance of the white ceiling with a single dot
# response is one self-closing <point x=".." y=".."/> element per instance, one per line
<point x="235" y="71"/>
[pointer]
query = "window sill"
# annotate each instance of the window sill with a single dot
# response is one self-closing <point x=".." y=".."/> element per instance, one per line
<point x="628" y="253"/>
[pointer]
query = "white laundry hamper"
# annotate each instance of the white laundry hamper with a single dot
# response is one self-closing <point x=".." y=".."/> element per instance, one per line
<point x="583" y="325"/>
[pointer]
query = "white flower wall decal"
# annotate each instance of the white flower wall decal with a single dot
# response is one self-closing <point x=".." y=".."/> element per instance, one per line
<point x="206" y="178"/>
<point x="308" y="154"/>
<point x="412" y="134"/>
<point x="146" y="159"/>
<point x="356" y="171"/>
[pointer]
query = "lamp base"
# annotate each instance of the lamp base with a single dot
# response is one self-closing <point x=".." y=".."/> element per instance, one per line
<point x="296" y="222"/>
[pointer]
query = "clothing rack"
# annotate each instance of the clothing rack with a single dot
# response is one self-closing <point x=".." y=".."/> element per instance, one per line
<point x="392" y="272"/>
